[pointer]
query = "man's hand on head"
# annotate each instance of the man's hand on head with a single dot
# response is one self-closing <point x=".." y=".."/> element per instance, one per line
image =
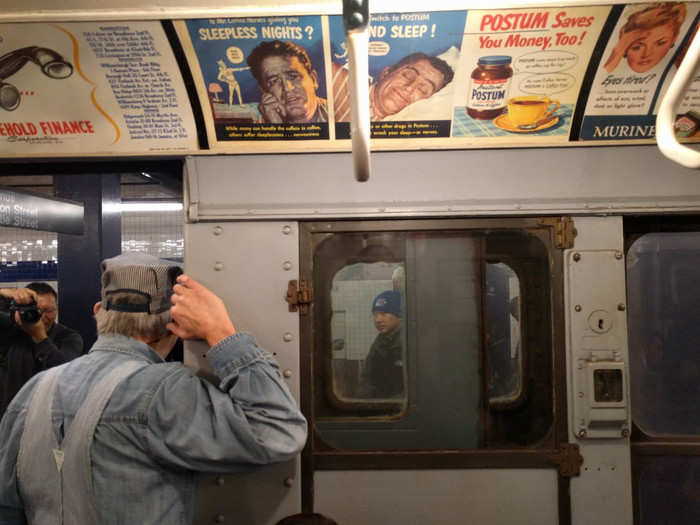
<point x="198" y="313"/>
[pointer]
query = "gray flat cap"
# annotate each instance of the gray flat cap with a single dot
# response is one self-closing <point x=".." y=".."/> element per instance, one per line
<point x="140" y="274"/>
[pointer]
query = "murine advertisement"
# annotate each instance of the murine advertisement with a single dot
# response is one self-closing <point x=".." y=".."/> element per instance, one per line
<point x="91" y="88"/>
<point x="640" y="59"/>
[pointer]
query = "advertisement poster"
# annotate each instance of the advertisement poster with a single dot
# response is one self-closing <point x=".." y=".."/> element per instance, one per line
<point x="521" y="72"/>
<point x="644" y="51"/>
<point x="91" y="88"/>
<point x="412" y="62"/>
<point x="264" y="77"/>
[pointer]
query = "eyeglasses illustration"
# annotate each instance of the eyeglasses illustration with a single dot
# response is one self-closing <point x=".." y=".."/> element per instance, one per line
<point x="51" y="63"/>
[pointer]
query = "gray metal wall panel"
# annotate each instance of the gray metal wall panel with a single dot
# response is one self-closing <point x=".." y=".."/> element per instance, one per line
<point x="602" y="494"/>
<point x="438" y="497"/>
<point x="472" y="182"/>
<point x="244" y="264"/>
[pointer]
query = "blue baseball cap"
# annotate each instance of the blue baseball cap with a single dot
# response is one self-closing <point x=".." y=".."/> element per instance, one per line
<point x="388" y="302"/>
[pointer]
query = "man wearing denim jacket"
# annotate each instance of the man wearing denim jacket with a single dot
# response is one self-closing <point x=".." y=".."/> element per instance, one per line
<point x="117" y="435"/>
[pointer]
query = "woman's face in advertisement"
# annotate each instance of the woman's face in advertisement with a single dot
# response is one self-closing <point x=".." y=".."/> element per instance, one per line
<point x="650" y="49"/>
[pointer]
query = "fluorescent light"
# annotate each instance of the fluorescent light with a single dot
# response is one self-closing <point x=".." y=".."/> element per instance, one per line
<point x="143" y="206"/>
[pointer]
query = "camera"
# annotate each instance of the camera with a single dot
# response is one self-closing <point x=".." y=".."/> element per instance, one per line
<point x="28" y="313"/>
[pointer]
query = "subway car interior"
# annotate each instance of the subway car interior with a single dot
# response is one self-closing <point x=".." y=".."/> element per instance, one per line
<point x="541" y="250"/>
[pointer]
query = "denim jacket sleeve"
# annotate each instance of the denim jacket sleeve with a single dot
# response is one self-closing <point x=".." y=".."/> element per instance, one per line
<point x="11" y="427"/>
<point x="250" y="419"/>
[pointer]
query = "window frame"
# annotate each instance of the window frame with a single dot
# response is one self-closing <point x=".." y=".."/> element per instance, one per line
<point x="320" y="455"/>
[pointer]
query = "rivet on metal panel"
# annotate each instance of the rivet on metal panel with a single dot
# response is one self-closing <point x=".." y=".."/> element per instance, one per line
<point x="287" y="337"/>
<point x="286" y="229"/>
<point x="621" y="307"/>
<point x="618" y="255"/>
<point x="577" y="307"/>
<point x="577" y="257"/>
<point x="580" y="394"/>
<point x="218" y="230"/>
<point x="220" y="481"/>
<point x="625" y="432"/>
<point x="582" y="433"/>
<point x="218" y="266"/>
<point x="287" y="373"/>
<point x="287" y="265"/>
<point x="288" y="482"/>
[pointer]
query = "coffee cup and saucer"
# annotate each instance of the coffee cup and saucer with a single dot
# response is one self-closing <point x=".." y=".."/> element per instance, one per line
<point x="528" y="114"/>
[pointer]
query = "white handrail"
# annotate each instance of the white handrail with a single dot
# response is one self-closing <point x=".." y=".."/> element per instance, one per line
<point x="665" y="119"/>
<point x="356" y="21"/>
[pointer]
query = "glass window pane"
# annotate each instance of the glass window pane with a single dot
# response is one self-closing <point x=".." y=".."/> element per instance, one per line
<point x="503" y="319"/>
<point x="368" y="333"/>
<point x="663" y="282"/>
<point x="669" y="491"/>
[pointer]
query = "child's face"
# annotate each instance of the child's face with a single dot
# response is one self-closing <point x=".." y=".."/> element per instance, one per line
<point x="385" y="322"/>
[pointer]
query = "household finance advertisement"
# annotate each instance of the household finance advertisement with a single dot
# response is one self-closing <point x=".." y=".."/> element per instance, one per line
<point x="521" y="71"/>
<point x="91" y="88"/>
<point x="640" y="59"/>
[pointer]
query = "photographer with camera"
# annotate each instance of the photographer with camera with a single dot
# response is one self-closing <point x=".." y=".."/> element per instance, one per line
<point x="30" y="338"/>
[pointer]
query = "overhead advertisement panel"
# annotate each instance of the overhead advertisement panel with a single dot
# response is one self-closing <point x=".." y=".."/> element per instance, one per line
<point x="545" y="53"/>
<point x="537" y="76"/>
<point x="81" y="89"/>
<point x="640" y="59"/>
<point x="262" y="78"/>
<point x="412" y="63"/>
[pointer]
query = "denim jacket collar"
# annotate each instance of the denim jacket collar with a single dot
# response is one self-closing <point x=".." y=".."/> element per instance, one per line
<point x="126" y="345"/>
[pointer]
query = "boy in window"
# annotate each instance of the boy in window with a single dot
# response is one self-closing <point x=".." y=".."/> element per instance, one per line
<point x="382" y="376"/>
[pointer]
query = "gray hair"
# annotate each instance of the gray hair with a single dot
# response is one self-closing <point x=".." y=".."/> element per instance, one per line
<point x="131" y="324"/>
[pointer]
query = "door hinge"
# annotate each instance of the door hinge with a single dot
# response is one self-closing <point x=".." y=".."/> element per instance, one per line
<point x="564" y="231"/>
<point x="299" y="296"/>
<point x="568" y="460"/>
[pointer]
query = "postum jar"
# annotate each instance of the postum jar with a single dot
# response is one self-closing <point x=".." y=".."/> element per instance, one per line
<point x="488" y="89"/>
